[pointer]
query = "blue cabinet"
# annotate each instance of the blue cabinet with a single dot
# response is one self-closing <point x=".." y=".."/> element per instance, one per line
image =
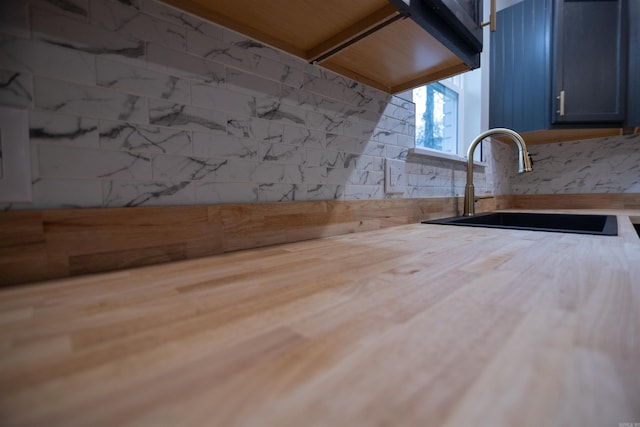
<point x="561" y="64"/>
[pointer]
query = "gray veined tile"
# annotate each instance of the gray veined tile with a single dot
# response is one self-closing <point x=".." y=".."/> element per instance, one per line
<point x="55" y="193"/>
<point x="281" y="192"/>
<point x="78" y="9"/>
<point x="37" y="57"/>
<point x="200" y="168"/>
<point x="140" y="81"/>
<point x="324" y="158"/>
<point x="281" y="153"/>
<point x="224" y="146"/>
<point x="309" y="138"/>
<point x="181" y="64"/>
<point x="182" y="116"/>
<point x="58" y="161"/>
<point x="64" y="129"/>
<point x="325" y="192"/>
<point x="273" y="109"/>
<point x="147" y="193"/>
<point x="211" y="96"/>
<point x="55" y="95"/>
<point x="178" y="17"/>
<point x="131" y="22"/>
<point x="336" y="142"/>
<point x="362" y="130"/>
<point x="244" y="55"/>
<point x="254" y="128"/>
<point x="143" y="138"/>
<point x="324" y="122"/>
<point x="14" y="18"/>
<point x="363" y="192"/>
<point x="187" y="168"/>
<point x="16" y="89"/>
<point x="276" y="173"/>
<point x="251" y="84"/>
<point x="227" y="192"/>
<point x="366" y="177"/>
<point x="62" y="31"/>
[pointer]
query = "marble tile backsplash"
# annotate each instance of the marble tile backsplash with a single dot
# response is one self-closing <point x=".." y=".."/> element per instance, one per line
<point x="136" y="103"/>
<point x="603" y="165"/>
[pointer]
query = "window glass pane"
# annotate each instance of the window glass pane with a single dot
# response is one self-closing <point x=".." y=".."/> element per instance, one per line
<point x="437" y="118"/>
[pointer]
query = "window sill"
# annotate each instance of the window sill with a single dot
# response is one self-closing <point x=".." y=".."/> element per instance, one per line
<point x="426" y="152"/>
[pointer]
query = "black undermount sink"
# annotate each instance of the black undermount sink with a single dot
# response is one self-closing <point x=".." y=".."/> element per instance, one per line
<point x="605" y="225"/>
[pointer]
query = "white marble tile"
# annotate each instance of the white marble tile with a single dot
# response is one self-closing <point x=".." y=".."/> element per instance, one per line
<point x="55" y="95"/>
<point x="385" y="136"/>
<point x="605" y="165"/>
<point x="343" y="89"/>
<point x="244" y="55"/>
<point x="281" y="192"/>
<point x="16" y="89"/>
<point x="163" y="113"/>
<point x="133" y="3"/>
<point x="251" y="84"/>
<point x="281" y="153"/>
<point x="140" y="81"/>
<point x="129" y="21"/>
<point x="325" y="158"/>
<point x="373" y="148"/>
<point x="344" y="143"/>
<point x="78" y="9"/>
<point x="52" y="193"/>
<point x="46" y="127"/>
<point x="406" y="141"/>
<point x="151" y="193"/>
<point x="36" y="57"/>
<point x="324" y="122"/>
<point x="176" y="16"/>
<point x="275" y="173"/>
<point x="304" y="137"/>
<point x="144" y="138"/>
<point x="363" y="192"/>
<point x="231" y="37"/>
<point x="356" y="129"/>
<point x="366" y="177"/>
<point x="399" y="153"/>
<point x="228" y="192"/>
<point x="201" y="168"/>
<point x="182" y="64"/>
<point x="399" y="113"/>
<point x="370" y="163"/>
<point x="272" y="109"/>
<point x="211" y="96"/>
<point x="325" y="192"/>
<point x="66" y="32"/>
<point x="73" y="162"/>
<point x="258" y="129"/>
<point x="224" y="147"/>
<point x="14" y="18"/>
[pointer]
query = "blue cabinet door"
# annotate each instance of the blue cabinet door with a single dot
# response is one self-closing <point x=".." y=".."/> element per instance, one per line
<point x="520" y="83"/>
<point x="589" y="61"/>
<point x="587" y="50"/>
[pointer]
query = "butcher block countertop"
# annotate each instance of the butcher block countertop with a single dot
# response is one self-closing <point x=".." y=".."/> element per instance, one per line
<point x="416" y="325"/>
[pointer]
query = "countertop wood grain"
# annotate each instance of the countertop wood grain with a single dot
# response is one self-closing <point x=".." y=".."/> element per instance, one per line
<point x="415" y="325"/>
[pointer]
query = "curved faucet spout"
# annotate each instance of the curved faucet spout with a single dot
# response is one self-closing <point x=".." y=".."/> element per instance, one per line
<point x="524" y="163"/>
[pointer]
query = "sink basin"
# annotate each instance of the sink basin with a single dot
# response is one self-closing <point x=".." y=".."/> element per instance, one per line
<point x="606" y="225"/>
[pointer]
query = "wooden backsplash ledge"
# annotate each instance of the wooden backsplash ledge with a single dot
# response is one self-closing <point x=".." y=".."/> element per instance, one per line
<point x="569" y="201"/>
<point x="47" y="244"/>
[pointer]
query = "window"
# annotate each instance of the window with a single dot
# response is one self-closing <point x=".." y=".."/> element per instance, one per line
<point x="437" y="117"/>
<point x="448" y="114"/>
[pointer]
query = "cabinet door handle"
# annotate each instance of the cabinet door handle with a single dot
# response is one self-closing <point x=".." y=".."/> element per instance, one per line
<point x="561" y="98"/>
